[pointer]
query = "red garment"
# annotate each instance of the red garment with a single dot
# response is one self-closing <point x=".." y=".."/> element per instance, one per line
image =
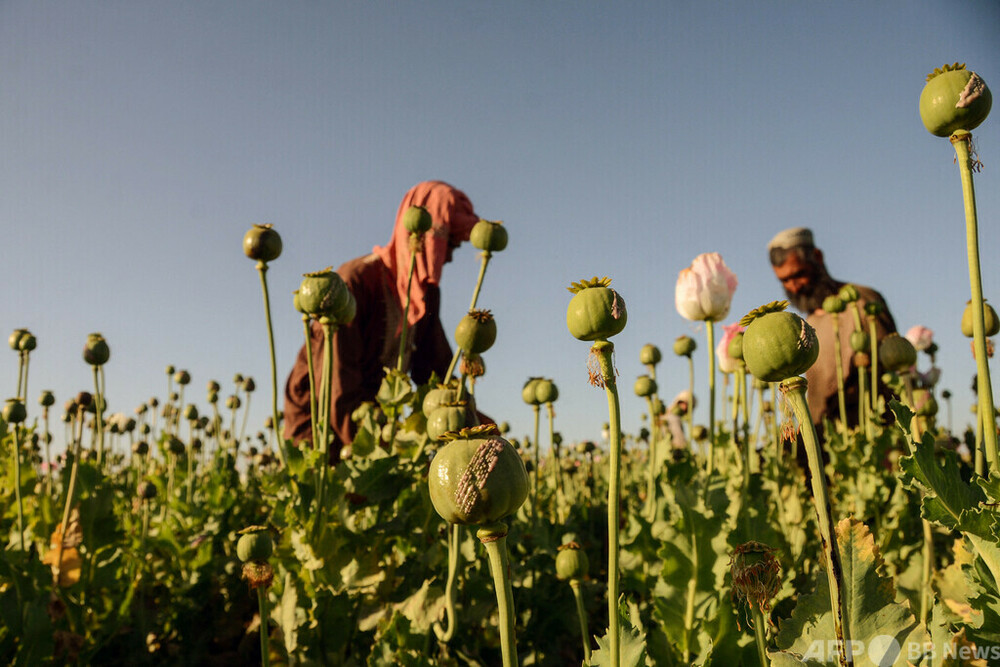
<point x="370" y="343"/>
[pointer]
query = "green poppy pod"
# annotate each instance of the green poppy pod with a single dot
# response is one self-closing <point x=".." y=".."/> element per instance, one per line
<point x="447" y="417"/>
<point x="596" y="312"/>
<point x="954" y="98"/>
<point x="47" y="399"/>
<point x="255" y="544"/>
<point x="684" y="346"/>
<point x="96" y="351"/>
<point x="735" y="347"/>
<point x="834" y="304"/>
<point x="476" y="332"/>
<point x="528" y="393"/>
<point x="896" y="353"/>
<point x="262" y="243"/>
<point x="14" y="411"/>
<point x="777" y="344"/>
<point x="650" y="355"/>
<point x="645" y="386"/>
<point x="860" y="341"/>
<point x="848" y="294"/>
<point x="571" y="562"/>
<point x="436" y="397"/>
<point x="145" y="490"/>
<point x="417" y="220"/>
<point x="990" y="320"/>
<point x="478" y="478"/>
<point x="182" y="378"/>
<point x="27" y="342"/>
<point x="15" y="338"/>
<point x="546" y="391"/>
<point x="191" y="412"/>
<point x="489" y="236"/>
<point x="324" y="294"/>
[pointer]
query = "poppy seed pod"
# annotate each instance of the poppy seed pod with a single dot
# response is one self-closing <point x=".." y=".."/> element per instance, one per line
<point x="417" y="220"/>
<point x="896" y="353"/>
<point x="777" y="344"/>
<point x="684" y="346"/>
<point x="860" y="341"/>
<point x="145" y="490"/>
<point x="476" y="332"/>
<point x="324" y="294"/>
<point x="47" y="399"/>
<point x="990" y="320"/>
<point x="756" y="574"/>
<point x="262" y="243"/>
<point x="14" y="411"/>
<point x="571" y="562"/>
<point x="488" y="236"/>
<point x="848" y="294"/>
<point x="182" y="378"/>
<point x="645" y="386"/>
<point x="15" y="339"/>
<point x="96" y="351"/>
<point x="477" y="478"/>
<point x="436" y="397"/>
<point x="650" y="355"/>
<point x="834" y="304"/>
<point x="255" y="544"/>
<point x="546" y="391"/>
<point x="528" y="394"/>
<point x="596" y="312"/>
<point x="954" y="98"/>
<point x="27" y="342"/>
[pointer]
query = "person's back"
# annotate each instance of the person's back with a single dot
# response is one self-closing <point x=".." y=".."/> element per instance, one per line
<point x="381" y="286"/>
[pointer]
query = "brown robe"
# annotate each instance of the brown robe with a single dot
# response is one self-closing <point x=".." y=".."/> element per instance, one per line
<point x="361" y="351"/>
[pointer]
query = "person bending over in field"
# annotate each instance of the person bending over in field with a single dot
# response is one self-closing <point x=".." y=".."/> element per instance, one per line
<point x="799" y="265"/>
<point x="363" y="348"/>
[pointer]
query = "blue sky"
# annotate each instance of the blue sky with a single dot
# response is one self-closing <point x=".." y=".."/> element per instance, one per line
<point x="140" y="140"/>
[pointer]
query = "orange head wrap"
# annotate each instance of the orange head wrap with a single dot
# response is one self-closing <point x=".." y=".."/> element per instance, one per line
<point x="453" y="218"/>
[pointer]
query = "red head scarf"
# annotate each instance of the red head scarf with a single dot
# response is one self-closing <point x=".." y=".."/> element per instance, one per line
<point x="453" y="218"/>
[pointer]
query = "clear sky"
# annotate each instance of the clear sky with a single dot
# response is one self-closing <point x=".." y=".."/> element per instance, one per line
<point x="140" y="140"/>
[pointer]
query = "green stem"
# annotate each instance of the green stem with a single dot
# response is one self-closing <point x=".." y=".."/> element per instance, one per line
<point x="926" y="594"/>
<point x="454" y="535"/>
<point x="406" y="308"/>
<point x="17" y="485"/>
<point x="652" y="465"/>
<point x="262" y="268"/>
<point x="961" y="140"/>
<point x="313" y="413"/>
<point x="872" y="335"/>
<point x="494" y="538"/>
<point x="534" y="492"/>
<point x="69" y="500"/>
<point x="98" y="415"/>
<point x="265" y="654"/>
<point x="692" y="589"/>
<point x="759" y="634"/>
<point x="581" y="612"/>
<point x="796" y="392"/>
<point x="710" y="332"/>
<point x="604" y="351"/>
<point x="472" y="306"/>
<point x="838" y="355"/>
<point x="690" y="410"/>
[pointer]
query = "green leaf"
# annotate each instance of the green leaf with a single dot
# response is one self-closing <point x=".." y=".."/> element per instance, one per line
<point x="288" y="615"/>
<point x="631" y="642"/>
<point x="873" y="618"/>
